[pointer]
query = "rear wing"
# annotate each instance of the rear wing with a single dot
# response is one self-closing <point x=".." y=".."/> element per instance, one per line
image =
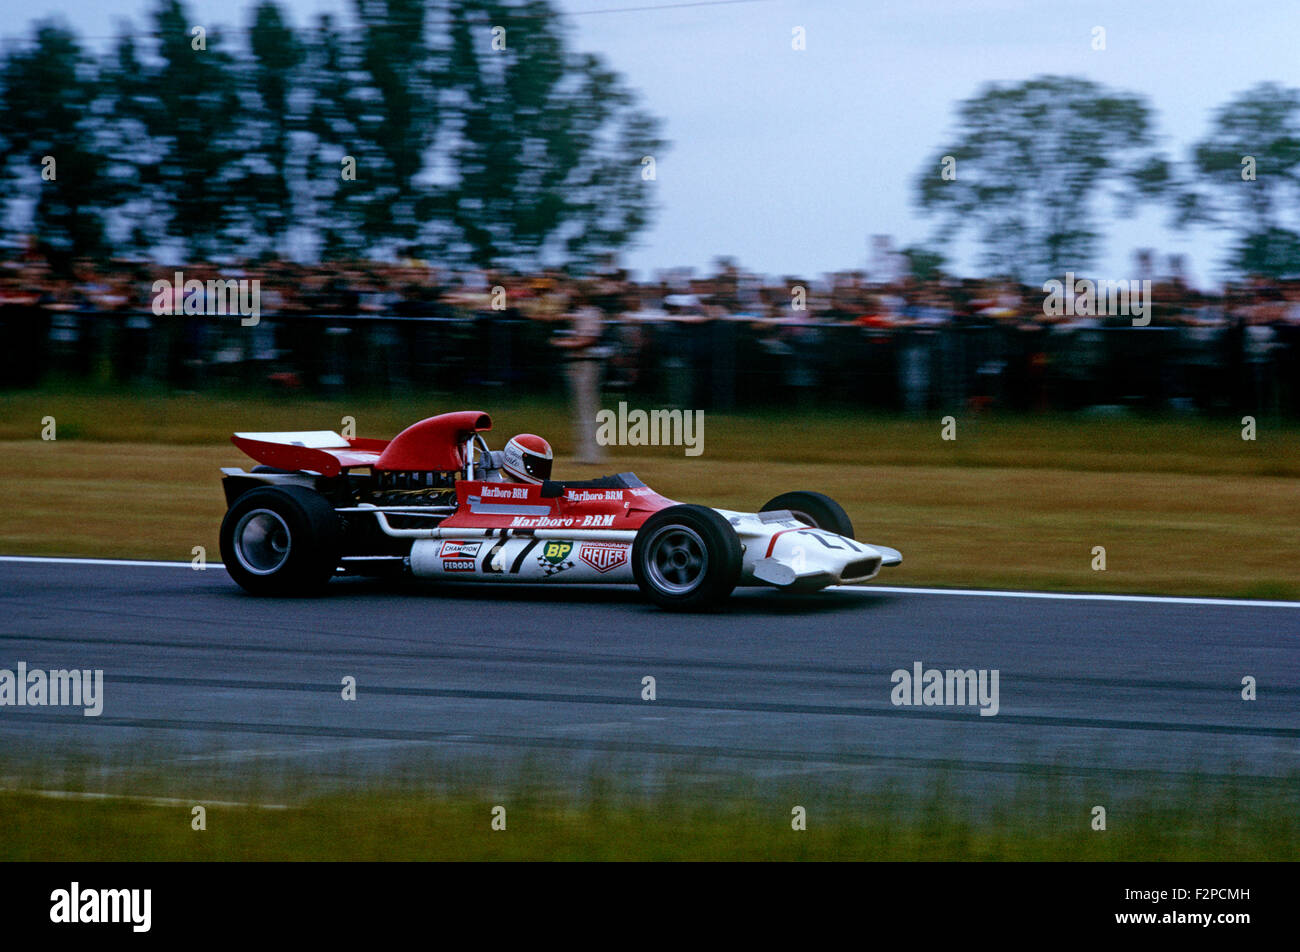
<point x="322" y="452"/>
<point x="438" y="444"/>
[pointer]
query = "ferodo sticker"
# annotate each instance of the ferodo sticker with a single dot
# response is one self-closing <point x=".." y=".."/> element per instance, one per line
<point x="603" y="556"/>
<point x="459" y="550"/>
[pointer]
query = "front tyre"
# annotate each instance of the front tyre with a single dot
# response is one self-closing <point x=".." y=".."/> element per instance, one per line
<point x="813" y="509"/>
<point x="686" y="558"/>
<point x="281" y="540"/>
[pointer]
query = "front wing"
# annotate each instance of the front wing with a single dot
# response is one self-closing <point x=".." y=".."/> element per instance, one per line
<point x="781" y="551"/>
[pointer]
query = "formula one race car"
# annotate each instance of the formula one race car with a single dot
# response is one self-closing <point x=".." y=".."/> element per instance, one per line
<point x="321" y="505"/>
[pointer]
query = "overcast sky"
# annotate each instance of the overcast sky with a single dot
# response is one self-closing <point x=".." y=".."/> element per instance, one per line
<point x="790" y="161"/>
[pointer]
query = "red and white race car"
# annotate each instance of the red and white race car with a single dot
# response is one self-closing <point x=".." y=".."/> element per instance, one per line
<point x="320" y="505"/>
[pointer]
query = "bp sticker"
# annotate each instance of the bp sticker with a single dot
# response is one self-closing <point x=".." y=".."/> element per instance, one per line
<point x="556" y="552"/>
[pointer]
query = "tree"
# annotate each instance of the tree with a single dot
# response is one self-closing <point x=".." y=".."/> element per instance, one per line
<point x="333" y="123"/>
<point x="1246" y="177"/>
<point x="1027" y="164"/>
<point x="269" y="163"/>
<point x="50" y="144"/>
<point x="549" y="142"/>
<point x="376" y="101"/>
<point x="192" y="119"/>
<point x="405" y="131"/>
<point x="395" y="117"/>
<point x="134" y="226"/>
<point x="924" y="264"/>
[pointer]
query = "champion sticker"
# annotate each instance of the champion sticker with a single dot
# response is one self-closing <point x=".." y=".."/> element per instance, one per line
<point x="459" y="550"/>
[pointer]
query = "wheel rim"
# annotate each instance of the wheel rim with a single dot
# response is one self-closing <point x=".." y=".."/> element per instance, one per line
<point x="676" y="559"/>
<point x="262" y="541"/>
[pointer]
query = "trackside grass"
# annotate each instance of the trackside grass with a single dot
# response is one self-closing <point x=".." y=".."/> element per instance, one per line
<point x="1076" y="442"/>
<point x="1187" y="820"/>
<point x="1182" y="507"/>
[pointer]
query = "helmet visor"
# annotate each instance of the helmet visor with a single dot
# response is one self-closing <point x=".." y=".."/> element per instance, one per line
<point x="537" y="467"/>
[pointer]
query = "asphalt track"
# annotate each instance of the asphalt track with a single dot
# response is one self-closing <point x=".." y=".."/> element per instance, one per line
<point x="773" y="686"/>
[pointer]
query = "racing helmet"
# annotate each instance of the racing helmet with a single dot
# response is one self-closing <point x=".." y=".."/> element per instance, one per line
<point x="527" y="458"/>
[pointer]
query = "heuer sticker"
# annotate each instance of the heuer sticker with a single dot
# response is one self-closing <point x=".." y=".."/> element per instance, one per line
<point x="603" y="556"/>
<point x="460" y="550"/>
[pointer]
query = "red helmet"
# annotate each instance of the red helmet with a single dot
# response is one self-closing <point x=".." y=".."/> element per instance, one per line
<point x="527" y="458"/>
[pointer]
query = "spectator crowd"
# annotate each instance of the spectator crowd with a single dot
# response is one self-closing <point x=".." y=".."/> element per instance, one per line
<point x="723" y="341"/>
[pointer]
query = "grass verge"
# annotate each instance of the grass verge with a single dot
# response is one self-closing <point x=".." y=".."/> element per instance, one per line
<point x="1180" y="507"/>
<point x="1189" y="821"/>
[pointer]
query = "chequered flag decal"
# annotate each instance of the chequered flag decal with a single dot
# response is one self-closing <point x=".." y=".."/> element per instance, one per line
<point x="550" y="568"/>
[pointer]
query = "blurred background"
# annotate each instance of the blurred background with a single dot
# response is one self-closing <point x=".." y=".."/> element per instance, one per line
<point x="380" y="167"/>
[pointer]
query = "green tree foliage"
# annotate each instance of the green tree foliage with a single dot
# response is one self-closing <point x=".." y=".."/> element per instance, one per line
<point x="399" y="119"/>
<point x="924" y="264"/>
<point x="48" y="93"/>
<point x="1032" y="160"/>
<point x="128" y="102"/>
<point x="333" y="126"/>
<point x="524" y="155"/>
<point x="1246" y="177"/>
<point x="192" y="121"/>
<point x="270" y="165"/>
<point x="550" y="143"/>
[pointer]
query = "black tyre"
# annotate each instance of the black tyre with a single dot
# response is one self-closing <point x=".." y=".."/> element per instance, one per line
<point x="686" y="558"/>
<point x="281" y="540"/>
<point x="814" y="509"/>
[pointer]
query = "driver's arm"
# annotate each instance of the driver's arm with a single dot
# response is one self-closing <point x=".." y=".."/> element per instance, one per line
<point x="490" y="463"/>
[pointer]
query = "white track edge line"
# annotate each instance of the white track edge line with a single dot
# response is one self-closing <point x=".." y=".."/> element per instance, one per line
<point x="888" y="589"/>
<point x="1074" y="596"/>
<point x="123" y="562"/>
<point x="140" y="798"/>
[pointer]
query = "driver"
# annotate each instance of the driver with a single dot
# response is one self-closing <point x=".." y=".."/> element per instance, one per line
<point x="527" y="458"/>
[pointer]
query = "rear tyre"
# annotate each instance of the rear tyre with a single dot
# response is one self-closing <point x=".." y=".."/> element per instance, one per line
<point x="281" y="540"/>
<point x="814" y="509"/>
<point x="686" y="558"/>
